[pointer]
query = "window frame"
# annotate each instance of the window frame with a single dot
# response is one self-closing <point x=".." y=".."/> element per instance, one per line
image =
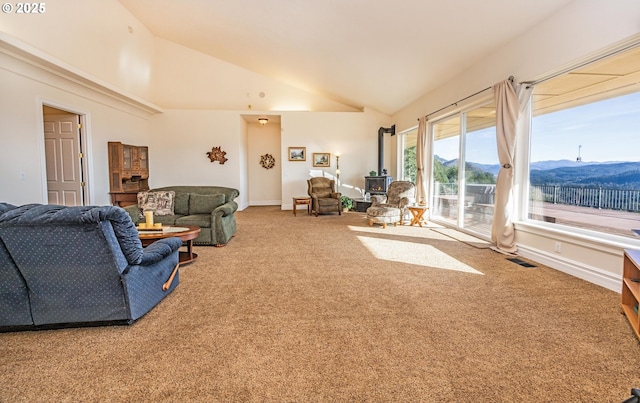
<point x="603" y="241"/>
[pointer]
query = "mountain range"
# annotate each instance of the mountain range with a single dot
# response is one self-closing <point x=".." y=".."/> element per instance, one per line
<point x="610" y="174"/>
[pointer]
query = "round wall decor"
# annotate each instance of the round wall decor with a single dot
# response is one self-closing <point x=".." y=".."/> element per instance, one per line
<point x="267" y="161"/>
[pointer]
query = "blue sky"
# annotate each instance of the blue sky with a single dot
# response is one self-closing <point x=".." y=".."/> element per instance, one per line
<point x="607" y="131"/>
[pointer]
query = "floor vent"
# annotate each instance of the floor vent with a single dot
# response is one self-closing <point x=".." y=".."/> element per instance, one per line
<point x="521" y="262"/>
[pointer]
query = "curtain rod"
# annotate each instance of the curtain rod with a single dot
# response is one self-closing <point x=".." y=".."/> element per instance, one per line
<point x="463" y="99"/>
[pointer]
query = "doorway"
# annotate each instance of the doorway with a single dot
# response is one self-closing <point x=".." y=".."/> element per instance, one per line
<point x="65" y="159"/>
<point x="264" y="172"/>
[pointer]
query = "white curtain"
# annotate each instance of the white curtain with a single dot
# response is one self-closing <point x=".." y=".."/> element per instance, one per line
<point x="421" y="160"/>
<point x="510" y="102"/>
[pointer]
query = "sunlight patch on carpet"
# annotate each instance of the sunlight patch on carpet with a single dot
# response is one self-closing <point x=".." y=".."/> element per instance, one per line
<point x="401" y="230"/>
<point x="462" y="237"/>
<point x="414" y="253"/>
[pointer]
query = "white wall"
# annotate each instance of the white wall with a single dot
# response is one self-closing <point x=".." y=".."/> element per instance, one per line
<point x="179" y="144"/>
<point x="25" y="88"/>
<point x="576" y="33"/>
<point x="354" y="135"/>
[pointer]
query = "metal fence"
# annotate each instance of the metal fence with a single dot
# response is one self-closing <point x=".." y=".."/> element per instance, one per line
<point x="601" y="198"/>
<point x="480" y="192"/>
<point x="612" y="199"/>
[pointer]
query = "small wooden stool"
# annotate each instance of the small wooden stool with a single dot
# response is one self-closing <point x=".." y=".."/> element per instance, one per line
<point x="300" y="201"/>
<point x="417" y="213"/>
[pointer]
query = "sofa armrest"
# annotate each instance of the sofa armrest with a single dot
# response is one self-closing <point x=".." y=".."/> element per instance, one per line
<point x="377" y="200"/>
<point x="134" y="212"/>
<point x="159" y="250"/>
<point x="404" y="202"/>
<point x="226" y="209"/>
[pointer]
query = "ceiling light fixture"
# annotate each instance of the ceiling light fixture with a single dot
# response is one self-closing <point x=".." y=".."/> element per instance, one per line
<point x="263" y="121"/>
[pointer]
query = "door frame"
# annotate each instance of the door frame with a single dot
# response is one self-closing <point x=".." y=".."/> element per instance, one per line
<point x="86" y="165"/>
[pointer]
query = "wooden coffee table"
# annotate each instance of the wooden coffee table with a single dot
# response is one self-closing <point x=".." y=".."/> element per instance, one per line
<point x="185" y="232"/>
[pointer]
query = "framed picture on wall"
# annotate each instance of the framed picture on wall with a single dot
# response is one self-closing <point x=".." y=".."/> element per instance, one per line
<point x="321" y="159"/>
<point x="297" y="153"/>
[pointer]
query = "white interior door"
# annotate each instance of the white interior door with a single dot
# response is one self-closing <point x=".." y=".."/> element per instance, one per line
<point x="63" y="160"/>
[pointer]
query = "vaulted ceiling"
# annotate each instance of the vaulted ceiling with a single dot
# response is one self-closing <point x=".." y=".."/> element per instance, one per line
<point x="379" y="54"/>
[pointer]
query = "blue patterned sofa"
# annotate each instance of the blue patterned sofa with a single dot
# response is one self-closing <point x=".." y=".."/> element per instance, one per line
<point x="78" y="266"/>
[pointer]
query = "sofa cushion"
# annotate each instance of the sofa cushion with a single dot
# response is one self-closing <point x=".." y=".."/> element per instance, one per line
<point x="383" y="212"/>
<point x="327" y="201"/>
<point x="161" y="203"/>
<point x="199" y="220"/>
<point x="181" y="203"/>
<point x="167" y="219"/>
<point x="205" y="204"/>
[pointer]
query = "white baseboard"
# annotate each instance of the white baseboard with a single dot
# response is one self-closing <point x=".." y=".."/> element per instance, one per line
<point x="265" y="203"/>
<point x="588" y="273"/>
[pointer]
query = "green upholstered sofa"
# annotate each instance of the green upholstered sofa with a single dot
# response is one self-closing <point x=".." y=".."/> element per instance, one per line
<point x="211" y="208"/>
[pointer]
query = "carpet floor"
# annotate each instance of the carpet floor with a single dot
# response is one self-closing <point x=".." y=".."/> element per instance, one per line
<point x="328" y="309"/>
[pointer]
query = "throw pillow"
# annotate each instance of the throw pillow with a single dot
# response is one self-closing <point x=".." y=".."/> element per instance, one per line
<point x="181" y="203"/>
<point x="205" y="204"/>
<point x="161" y="203"/>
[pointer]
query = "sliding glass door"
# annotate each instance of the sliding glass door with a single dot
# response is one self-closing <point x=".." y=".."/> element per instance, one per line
<point x="465" y="165"/>
<point x="481" y="169"/>
<point x="446" y="157"/>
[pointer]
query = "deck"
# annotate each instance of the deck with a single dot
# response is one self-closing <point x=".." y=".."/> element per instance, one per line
<point x="614" y="222"/>
<point x="610" y="221"/>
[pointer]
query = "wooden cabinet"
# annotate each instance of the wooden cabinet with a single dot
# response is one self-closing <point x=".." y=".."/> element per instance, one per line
<point x="128" y="172"/>
<point x="631" y="287"/>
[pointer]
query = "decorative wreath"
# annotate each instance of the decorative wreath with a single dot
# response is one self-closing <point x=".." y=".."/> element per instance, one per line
<point x="216" y="154"/>
<point x="267" y="161"/>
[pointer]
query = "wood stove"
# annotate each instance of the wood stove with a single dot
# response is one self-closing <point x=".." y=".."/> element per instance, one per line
<point x="376" y="185"/>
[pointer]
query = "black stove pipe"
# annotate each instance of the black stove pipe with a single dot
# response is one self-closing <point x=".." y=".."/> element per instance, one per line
<point x="381" y="132"/>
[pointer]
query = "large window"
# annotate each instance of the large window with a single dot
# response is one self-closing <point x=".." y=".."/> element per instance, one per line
<point x="585" y="147"/>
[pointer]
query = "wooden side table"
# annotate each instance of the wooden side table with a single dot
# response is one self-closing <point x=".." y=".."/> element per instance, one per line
<point x="417" y="213"/>
<point x="297" y="201"/>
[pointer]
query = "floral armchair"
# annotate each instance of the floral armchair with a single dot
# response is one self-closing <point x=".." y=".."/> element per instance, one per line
<point x="390" y="208"/>
<point x="324" y="199"/>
